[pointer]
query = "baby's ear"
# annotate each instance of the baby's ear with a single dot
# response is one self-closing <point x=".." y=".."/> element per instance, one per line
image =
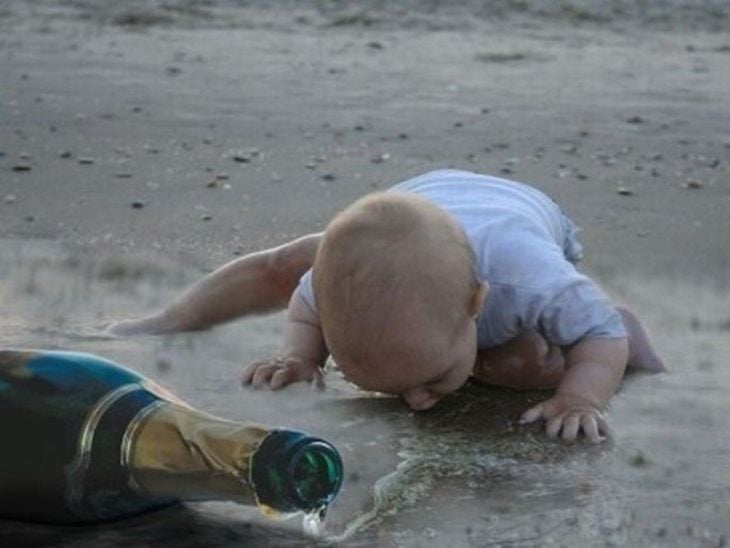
<point x="476" y="303"/>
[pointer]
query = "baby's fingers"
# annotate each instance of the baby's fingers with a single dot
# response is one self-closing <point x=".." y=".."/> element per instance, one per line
<point x="248" y="372"/>
<point x="571" y="427"/>
<point x="594" y="428"/>
<point x="263" y="374"/>
<point x="282" y="377"/>
<point x="532" y="414"/>
<point x="553" y="426"/>
<point x="295" y="373"/>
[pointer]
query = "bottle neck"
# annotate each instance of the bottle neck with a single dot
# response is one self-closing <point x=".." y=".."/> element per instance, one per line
<point x="177" y="452"/>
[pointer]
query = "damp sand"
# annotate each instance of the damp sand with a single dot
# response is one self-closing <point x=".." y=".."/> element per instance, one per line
<point x="464" y="473"/>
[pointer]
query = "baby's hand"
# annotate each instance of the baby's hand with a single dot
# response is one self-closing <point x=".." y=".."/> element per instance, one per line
<point x="566" y="416"/>
<point x="281" y="371"/>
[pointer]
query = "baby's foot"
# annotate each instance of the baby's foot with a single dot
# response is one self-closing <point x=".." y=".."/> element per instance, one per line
<point x="642" y="356"/>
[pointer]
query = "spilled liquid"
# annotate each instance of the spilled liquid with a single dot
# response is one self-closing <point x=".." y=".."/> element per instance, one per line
<point x="313" y="523"/>
<point x="462" y="474"/>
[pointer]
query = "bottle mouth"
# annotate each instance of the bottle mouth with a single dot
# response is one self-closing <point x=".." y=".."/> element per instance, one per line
<point x="316" y="474"/>
<point x="293" y="472"/>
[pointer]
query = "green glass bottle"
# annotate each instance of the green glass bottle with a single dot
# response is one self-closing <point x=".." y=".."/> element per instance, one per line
<point x="84" y="439"/>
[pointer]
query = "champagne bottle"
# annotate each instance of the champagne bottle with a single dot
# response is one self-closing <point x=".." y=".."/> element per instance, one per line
<point x="84" y="439"/>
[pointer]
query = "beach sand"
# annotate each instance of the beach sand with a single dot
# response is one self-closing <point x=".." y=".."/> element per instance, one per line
<point x="141" y="146"/>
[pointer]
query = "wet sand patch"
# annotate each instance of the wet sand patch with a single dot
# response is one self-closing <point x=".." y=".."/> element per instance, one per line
<point x="463" y="473"/>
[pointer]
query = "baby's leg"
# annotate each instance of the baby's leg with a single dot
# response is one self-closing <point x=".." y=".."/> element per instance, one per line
<point x="526" y="362"/>
<point x="642" y="356"/>
<point x="257" y="283"/>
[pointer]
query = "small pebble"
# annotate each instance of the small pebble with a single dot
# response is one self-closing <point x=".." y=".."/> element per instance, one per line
<point x="64" y="154"/>
<point x="173" y="70"/>
<point x="376" y="45"/>
<point x="10" y="199"/>
<point x="212" y="184"/>
<point x="137" y="204"/>
<point x="206" y="217"/>
<point x="640" y="460"/>
<point x="24" y="156"/>
<point x="245" y="156"/>
<point x="21" y="167"/>
<point x="86" y="161"/>
<point x="624" y="191"/>
<point x="29" y="218"/>
<point x="693" y="183"/>
<point x="635" y="120"/>
<point x="380" y="158"/>
<point x="328" y="177"/>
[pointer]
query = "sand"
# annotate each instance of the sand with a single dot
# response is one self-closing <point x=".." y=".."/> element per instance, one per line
<point x="143" y="145"/>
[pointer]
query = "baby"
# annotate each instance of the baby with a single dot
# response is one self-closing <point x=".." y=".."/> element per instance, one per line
<point x="412" y="291"/>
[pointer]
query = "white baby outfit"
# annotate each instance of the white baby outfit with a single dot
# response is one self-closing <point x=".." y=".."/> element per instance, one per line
<point x="525" y="248"/>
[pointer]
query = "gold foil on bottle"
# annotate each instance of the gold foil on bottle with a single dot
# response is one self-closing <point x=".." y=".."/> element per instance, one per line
<point x="182" y="453"/>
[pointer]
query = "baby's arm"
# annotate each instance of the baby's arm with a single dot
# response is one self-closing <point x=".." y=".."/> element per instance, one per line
<point x="593" y="370"/>
<point x="255" y="284"/>
<point x="303" y="355"/>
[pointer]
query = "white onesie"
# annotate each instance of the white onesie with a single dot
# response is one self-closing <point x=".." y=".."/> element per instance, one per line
<point x="524" y="246"/>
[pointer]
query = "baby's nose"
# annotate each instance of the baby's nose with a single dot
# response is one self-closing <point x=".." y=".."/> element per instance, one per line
<point x="420" y="399"/>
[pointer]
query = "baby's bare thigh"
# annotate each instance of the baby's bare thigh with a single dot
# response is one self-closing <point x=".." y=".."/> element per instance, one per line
<point x="525" y="362"/>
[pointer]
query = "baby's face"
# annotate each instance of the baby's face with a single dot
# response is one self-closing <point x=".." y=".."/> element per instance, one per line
<point x="420" y="378"/>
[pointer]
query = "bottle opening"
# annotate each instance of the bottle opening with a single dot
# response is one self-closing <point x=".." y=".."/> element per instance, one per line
<point x="316" y="474"/>
<point x="292" y="472"/>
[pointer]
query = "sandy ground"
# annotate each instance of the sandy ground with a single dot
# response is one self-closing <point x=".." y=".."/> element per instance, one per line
<point x="141" y="147"/>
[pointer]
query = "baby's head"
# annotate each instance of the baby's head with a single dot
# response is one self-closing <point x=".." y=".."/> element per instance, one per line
<point x="398" y="295"/>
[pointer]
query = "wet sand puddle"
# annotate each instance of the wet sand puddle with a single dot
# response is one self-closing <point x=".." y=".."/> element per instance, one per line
<point x="463" y="474"/>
